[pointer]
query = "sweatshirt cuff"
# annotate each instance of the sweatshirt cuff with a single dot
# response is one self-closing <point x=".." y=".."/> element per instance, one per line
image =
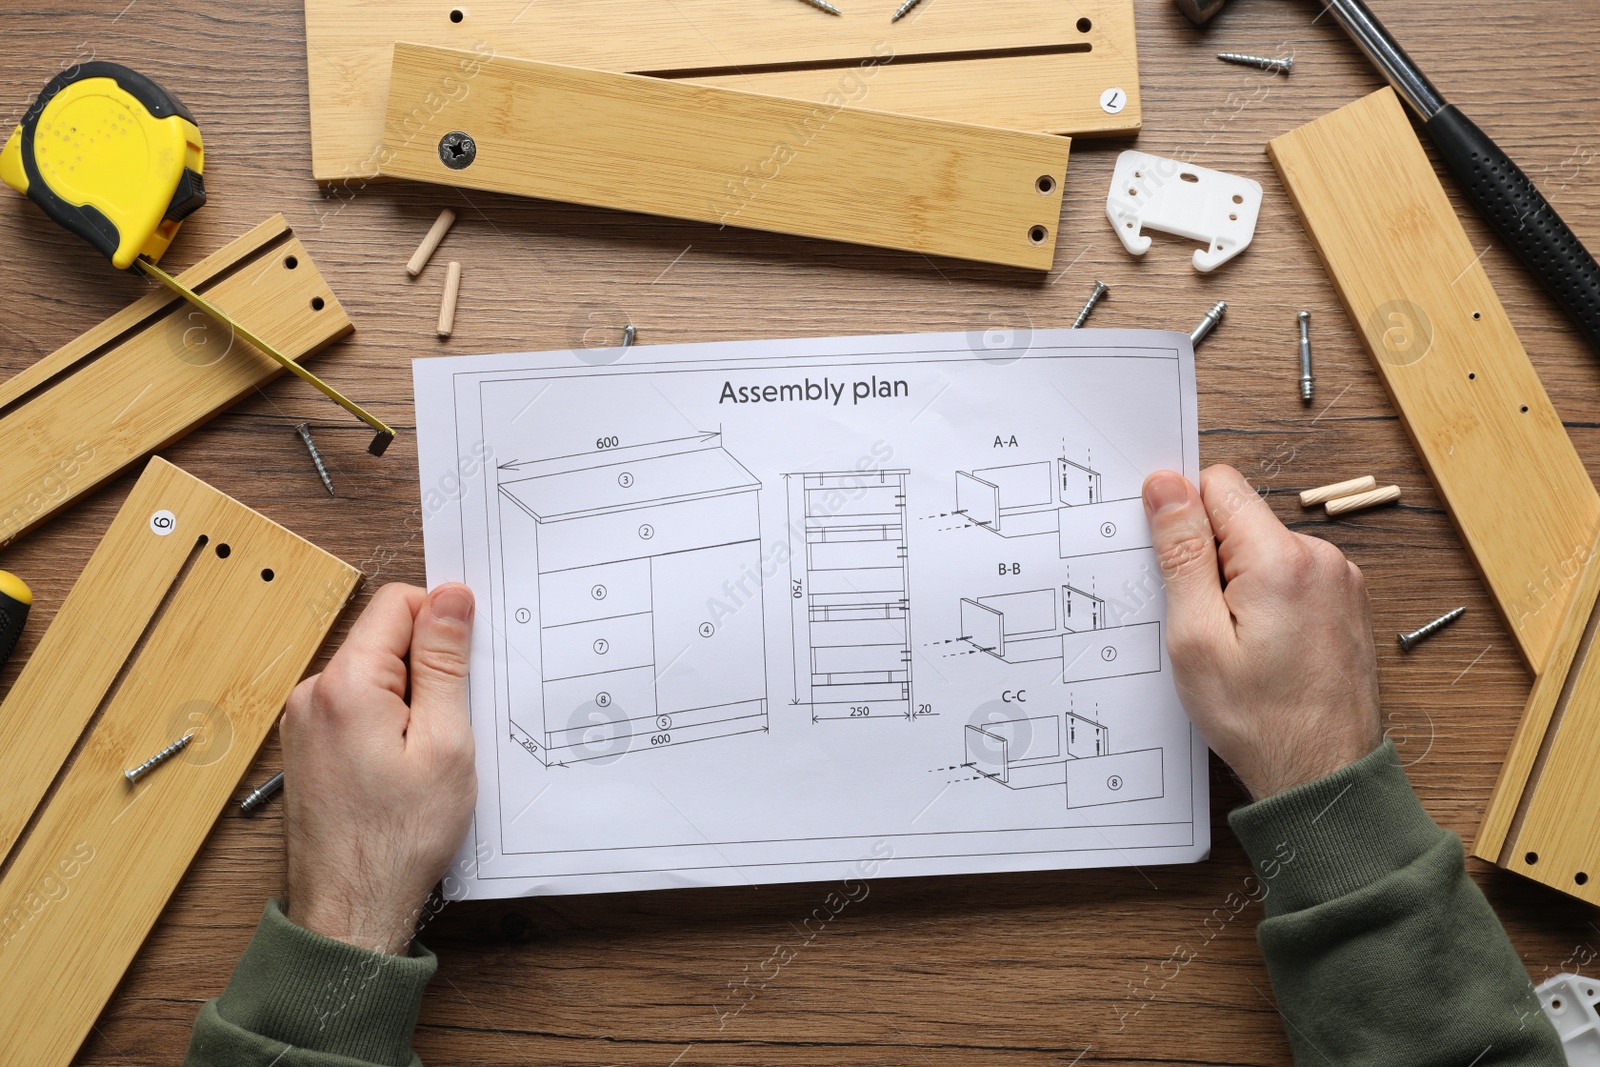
<point x="1332" y="836"/>
<point x="315" y="993"/>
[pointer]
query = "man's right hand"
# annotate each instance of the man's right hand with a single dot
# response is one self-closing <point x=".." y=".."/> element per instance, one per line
<point x="1269" y="631"/>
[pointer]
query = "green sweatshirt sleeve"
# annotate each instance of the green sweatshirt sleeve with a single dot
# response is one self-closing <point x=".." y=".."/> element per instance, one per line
<point x="298" y="999"/>
<point x="1381" y="949"/>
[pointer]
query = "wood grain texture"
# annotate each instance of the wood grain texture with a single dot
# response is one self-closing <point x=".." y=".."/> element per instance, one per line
<point x="1037" y="65"/>
<point x="1555" y="695"/>
<point x="1018" y="971"/>
<point x="727" y="157"/>
<point x="1472" y="402"/>
<point x="229" y="608"/>
<point x="155" y="370"/>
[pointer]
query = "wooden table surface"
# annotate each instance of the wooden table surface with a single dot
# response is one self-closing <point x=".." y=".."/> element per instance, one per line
<point x="1007" y="969"/>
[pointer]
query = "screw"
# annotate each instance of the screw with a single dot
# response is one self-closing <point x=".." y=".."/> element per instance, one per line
<point x="825" y="6"/>
<point x="904" y="10"/>
<point x="1410" y="640"/>
<point x="457" y="150"/>
<point x="304" y="430"/>
<point x="1095" y="297"/>
<point x="1305" y="357"/>
<point x="259" y="795"/>
<point x="1207" y="324"/>
<point x="1274" y="66"/>
<point x="158" y="759"/>
<point x="629" y="334"/>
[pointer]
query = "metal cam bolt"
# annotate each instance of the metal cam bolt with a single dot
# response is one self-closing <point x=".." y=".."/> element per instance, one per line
<point x="1410" y="640"/>
<point x="630" y="333"/>
<point x="259" y="795"/>
<point x="304" y="430"/>
<point x="1207" y="324"/>
<point x="1095" y="297"/>
<point x="158" y="759"/>
<point x="1305" y="357"/>
<point x="457" y="150"/>
<point x="903" y="10"/>
<point x="1272" y="66"/>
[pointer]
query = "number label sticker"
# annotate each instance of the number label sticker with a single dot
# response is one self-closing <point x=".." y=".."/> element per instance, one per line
<point x="163" y="522"/>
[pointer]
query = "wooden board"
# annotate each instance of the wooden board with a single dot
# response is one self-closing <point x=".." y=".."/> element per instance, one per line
<point x="729" y="157"/>
<point x="154" y="371"/>
<point x="203" y="629"/>
<point x="1033" y="65"/>
<point x="1416" y="291"/>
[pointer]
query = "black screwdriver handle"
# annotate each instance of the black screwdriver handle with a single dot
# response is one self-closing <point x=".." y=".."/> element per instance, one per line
<point x="1522" y="216"/>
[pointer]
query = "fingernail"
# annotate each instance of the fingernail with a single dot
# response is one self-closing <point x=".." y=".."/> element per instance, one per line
<point x="452" y="604"/>
<point x="1163" y="490"/>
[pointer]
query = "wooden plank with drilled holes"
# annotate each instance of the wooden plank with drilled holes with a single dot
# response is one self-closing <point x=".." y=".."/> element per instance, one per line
<point x="214" y="635"/>
<point x="1019" y="64"/>
<point x="729" y="157"/>
<point x="156" y="370"/>
<point x="1474" y="407"/>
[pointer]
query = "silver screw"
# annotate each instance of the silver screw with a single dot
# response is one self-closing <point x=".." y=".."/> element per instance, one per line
<point x="629" y="334"/>
<point x="1207" y="324"/>
<point x="158" y="759"/>
<point x="1095" y="297"/>
<point x="825" y="6"/>
<point x="1305" y="357"/>
<point x="904" y="10"/>
<point x="304" y="430"/>
<point x="259" y="795"/>
<point x="1410" y="640"/>
<point x="1274" y="66"/>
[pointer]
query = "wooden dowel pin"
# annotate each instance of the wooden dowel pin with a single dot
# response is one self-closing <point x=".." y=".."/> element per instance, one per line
<point x="1313" y="497"/>
<point x="447" y="309"/>
<point x="1345" y="504"/>
<point x="424" y="252"/>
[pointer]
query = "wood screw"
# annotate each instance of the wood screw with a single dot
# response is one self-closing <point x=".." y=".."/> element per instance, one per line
<point x="1410" y="640"/>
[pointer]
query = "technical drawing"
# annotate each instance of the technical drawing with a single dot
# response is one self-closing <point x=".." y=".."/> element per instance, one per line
<point x="1052" y="496"/>
<point x="1069" y="751"/>
<point x="630" y="554"/>
<point x="850" y="594"/>
<point x="1037" y="625"/>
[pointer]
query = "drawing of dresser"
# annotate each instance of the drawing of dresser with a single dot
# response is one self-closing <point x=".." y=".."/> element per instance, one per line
<point x="631" y="600"/>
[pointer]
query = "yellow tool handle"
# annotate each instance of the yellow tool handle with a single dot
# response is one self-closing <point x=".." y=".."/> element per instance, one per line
<point x="385" y="434"/>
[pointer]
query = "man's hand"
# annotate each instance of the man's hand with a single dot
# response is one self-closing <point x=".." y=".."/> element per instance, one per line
<point x="379" y="788"/>
<point x="1272" y="651"/>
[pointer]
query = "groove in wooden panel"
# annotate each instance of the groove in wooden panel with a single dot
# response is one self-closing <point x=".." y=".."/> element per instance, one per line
<point x="154" y="371"/>
<point x="941" y="63"/>
<point x="102" y="858"/>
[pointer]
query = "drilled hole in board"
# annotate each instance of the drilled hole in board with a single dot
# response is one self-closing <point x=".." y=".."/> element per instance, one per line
<point x="267" y="575"/>
<point x="317" y="303"/>
<point x="1238" y="199"/>
<point x="1477" y="314"/>
<point x="1038" y="235"/>
<point x="456" y="15"/>
<point x="1524" y="409"/>
<point x="1581" y="878"/>
<point x="1084" y="25"/>
<point x="224" y="550"/>
<point x="1192" y="179"/>
<point x="1046" y="184"/>
<point x="290" y="263"/>
<point x="1472" y="376"/>
<point x="1233" y="218"/>
<point x="1531" y="858"/>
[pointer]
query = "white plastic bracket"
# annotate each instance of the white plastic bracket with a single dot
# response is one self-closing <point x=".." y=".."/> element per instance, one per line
<point x="1156" y="193"/>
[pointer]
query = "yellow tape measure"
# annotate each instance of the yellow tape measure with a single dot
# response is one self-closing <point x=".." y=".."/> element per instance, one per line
<point x="117" y="160"/>
<point x="111" y="156"/>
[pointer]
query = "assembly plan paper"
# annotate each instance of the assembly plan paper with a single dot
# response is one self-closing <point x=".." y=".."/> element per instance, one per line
<point x="800" y="610"/>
